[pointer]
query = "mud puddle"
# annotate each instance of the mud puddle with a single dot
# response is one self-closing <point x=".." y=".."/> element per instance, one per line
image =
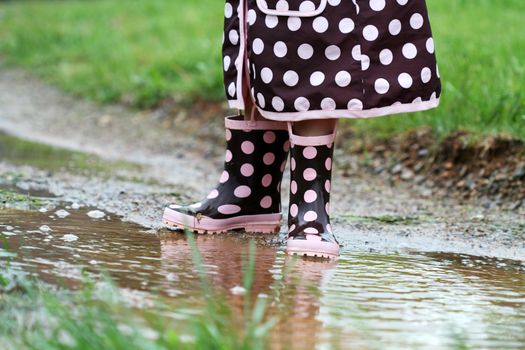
<point x="394" y="300"/>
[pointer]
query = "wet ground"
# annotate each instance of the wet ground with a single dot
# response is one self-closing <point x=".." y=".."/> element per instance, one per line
<point x="414" y="272"/>
<point x="368" y="299"/>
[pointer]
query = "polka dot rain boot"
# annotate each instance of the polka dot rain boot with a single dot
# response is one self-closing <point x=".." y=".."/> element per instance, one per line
<point x="248" y="194"/>
<point x="309" y="230"/>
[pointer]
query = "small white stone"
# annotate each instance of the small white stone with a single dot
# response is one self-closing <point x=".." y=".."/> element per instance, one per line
<point x="171" y="277"/>
<point x="93" y="262"/>
<point x="238" y="290"/>
<point x="9" y="228"/>
<point x="43" y="210"/>
<point x="96" y="214"/>
<point x="45" y="228"/>
<point x="69" y="237"/>
<point x="62" y="213"/>
<point x="75" y="206"/>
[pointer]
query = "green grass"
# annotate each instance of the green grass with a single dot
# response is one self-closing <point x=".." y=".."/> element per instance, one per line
<point x="95" y="316"/>
<point x="141" y="52"/>
<point x="13" y="200"/>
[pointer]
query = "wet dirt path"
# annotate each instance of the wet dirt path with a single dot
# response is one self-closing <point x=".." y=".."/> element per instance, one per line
<point x="175" y="162"/>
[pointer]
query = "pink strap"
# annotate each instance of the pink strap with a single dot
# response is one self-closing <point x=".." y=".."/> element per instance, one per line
<point x="310" y="140"/>
<point x="237" y="122"/>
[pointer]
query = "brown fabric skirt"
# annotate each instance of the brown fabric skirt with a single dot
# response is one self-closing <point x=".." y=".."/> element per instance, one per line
<point x="320" y="59"/>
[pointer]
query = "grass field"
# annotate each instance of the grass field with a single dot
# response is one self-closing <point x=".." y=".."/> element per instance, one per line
<point x="140" y="52"/>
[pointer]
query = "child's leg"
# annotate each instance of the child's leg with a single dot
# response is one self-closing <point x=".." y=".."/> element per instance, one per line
<point x="315" y="127"/>
<point x="309" y="231"/>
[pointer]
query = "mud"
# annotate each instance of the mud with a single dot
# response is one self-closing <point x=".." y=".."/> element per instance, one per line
<point x="489" y="170"/>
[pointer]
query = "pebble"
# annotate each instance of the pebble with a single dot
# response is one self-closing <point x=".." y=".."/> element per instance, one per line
<point x="171" y="277"/>
<point x="519" y="173"/>
<point x="518" y="204"/>
<point x="407" y="174"/>
<point x="238" y="290"/>
<point x="9" y="228"/>
<point x="420" y="179"/>
<point x="69" y="237"/>
<point x="419" y="166"/>
<point x="96" y="214"/>
<point x="75" y="206"/>
<point x="62" y="213"/>
<point x="397" y="169"/>
<point x="379" y="169"/>
<point x="426" y="192"/>
<point x="43" y="210"/>
<point x="8" y="233"/>
<point x="45" y="228"/>
<point x="422" y="152"/>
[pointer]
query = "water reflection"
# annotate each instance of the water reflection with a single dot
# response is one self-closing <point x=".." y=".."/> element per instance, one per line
<point x="364" y="301"/>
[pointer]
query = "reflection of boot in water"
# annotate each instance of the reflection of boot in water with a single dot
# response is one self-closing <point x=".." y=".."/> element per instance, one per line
<point x="222" y="259"/>
<point x="248" y="195"/>
<point x="301" y="328"/>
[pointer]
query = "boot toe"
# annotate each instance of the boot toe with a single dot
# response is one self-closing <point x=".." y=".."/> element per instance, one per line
<point x="312" y="245"/>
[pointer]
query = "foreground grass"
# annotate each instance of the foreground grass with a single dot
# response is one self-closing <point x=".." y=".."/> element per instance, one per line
<point x="141" y="52"/>
<point x="38" y="316"/>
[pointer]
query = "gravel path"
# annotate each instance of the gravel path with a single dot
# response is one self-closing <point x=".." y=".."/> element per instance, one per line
<point x="185" y="157"/>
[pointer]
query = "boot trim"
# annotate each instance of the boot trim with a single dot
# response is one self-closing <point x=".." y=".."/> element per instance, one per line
<point x="311" y="140"/>
<point x="312" y="246"/>
<point x="237" y="122"/>
<point x="264" y="223"/>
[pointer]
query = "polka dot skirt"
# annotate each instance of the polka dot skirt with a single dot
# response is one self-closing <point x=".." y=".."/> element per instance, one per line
<point x="318" y="59"/>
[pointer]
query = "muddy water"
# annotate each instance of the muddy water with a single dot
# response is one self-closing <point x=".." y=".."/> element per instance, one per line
<point x="365" y="300"/>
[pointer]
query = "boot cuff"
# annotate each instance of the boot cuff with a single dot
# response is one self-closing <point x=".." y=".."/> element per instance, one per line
<point x="237" y="122"/>
<point x="311" y="140"/>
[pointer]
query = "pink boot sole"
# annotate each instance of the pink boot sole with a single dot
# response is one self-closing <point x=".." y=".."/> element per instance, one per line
<point x="313" y="247"/>
<point x="263" y="223"/>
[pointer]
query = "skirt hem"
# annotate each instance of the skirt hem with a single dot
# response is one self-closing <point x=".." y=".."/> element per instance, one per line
<point x="350" y="114"/>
